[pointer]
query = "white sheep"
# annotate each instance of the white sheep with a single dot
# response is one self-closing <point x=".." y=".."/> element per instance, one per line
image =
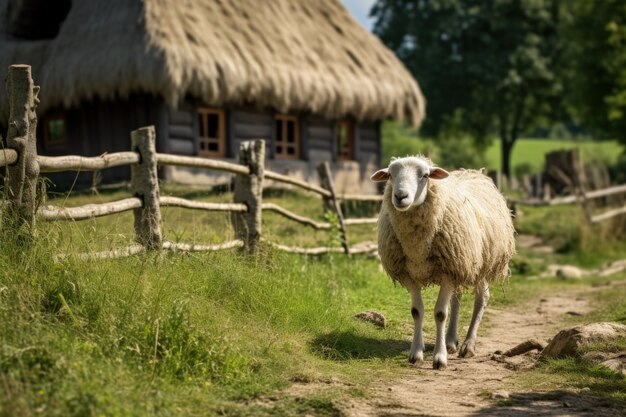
<point x="450" y="229"/>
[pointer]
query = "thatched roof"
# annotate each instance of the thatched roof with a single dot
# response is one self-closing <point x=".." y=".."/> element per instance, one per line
<point x="291" y="55"/>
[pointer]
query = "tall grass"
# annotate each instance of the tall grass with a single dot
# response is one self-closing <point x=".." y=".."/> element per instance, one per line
<point x="195" y="334"/>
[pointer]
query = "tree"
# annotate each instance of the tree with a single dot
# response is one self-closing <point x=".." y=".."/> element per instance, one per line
<point x="483" y="65"/>
<point x="598" y="60"/>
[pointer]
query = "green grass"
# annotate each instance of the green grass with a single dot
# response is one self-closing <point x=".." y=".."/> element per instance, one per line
<point x="531" y="152"/>
<point x="206" y="333"/>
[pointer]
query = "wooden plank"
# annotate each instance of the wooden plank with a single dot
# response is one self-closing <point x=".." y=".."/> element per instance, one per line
<point x="8" y="157"/>
<point x="252" y="117"/>
<point x="305" y="251"/>
<point x="110" y="254"/>
<point x="360" y="197"/>
<point x="271" y="175"/>
<point x="608" y="214"/>
<point x="252" y="131"/>
<point x="300" y="219"/>
<point x="331" y="203"/>
<point x="369" y="220"/>
<point x="192" y="161"/>
<point x="181" y="146"/>
<point x="182" y="132"/>
<point x="572" y="198"/>
<point x="200" y="205"/>
<point x="88" y="211"/>
<point x="82" y="163"/>
<point x="321" y="132"/>
<point x="237" y="243"/>
<point x="320" y="144"/>
<point x="181" y="117"/>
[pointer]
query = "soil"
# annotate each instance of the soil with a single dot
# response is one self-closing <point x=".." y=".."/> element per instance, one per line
<point x="480" y="385"/>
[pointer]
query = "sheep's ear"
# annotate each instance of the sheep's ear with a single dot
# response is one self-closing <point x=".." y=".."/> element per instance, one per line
<point x="438" y="173"/>
<point x="380" y="175"/>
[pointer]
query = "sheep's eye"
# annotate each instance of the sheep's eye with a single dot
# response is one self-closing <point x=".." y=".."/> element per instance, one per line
<point x="425" y="175"/>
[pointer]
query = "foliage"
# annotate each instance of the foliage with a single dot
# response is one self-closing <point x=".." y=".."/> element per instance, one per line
<point x="453" y="149"/>
<point x="488" y="66"/>
<point x="597" y="58"/>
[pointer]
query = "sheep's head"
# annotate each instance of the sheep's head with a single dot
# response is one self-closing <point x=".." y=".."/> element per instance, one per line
<point x="409" y="180"/>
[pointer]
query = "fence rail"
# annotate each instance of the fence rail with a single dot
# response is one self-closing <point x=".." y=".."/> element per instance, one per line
<point x="83" y="163"/>
<point x="24" y="166"/>
<point x="582" y="198"/>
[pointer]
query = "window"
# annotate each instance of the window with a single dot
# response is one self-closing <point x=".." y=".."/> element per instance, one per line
<point x="345" y="140"/>
<point x="287" y="144"/>
<point x="212" y="137"/>
<point x="55" y="132"/>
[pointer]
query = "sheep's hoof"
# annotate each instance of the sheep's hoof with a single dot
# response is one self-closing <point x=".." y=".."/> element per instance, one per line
<point x="467" y="350"/>
<point x="440" y="362"/>
<point x="416" y="357"/>
<point x="451" y="347"/>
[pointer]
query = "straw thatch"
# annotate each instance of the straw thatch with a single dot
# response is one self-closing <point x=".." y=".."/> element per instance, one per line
<point x="290" y="55"/>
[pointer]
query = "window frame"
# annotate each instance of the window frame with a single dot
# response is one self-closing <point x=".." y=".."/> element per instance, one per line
<point x="284" y="140"/>
<point x="345" y="153"/>
<point x="202" y="115"/>
<point x="58" y="144"/>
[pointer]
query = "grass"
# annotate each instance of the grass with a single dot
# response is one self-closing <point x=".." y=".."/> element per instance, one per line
<point x="208" y="333"/>
<point x="531" y="152"/>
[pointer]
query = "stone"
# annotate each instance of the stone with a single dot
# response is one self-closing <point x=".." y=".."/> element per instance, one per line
<point x="500" y="395"/>
<point x="617" y="363"/>
<point x="568" y="341"/>
<point x="566" y="271"/>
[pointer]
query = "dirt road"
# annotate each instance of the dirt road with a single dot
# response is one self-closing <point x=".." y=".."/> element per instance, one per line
<point x="479" y="386"/>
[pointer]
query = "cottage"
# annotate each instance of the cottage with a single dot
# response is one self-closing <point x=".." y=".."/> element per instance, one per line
<point x="301" y="74"/>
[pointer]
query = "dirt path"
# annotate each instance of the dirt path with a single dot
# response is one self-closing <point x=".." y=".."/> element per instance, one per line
<point x="465" y="387"/>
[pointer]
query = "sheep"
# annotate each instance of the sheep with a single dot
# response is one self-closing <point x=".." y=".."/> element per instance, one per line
<point x="450" y="229"/>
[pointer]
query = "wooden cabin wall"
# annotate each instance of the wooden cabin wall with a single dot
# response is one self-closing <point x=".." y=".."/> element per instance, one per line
<point x="182" y="128"/>
<point x="101" y="126"/>
<point x="368" y="143"/>
<point x="249" y="124"/>
<point x="320" y="136"/>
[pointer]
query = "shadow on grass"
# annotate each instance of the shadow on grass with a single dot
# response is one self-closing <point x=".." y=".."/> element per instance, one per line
<point x="342" y="346"/>
<point x="554" y="403"/>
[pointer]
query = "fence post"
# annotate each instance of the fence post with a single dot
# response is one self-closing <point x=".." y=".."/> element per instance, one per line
<point x="331" y="203"/>
<point x="249" y="191"/>
<point x="21" y="136"/>
<point x="145" y="185"/>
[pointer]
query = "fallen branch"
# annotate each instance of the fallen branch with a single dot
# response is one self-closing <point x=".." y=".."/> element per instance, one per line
<point x="524" y="347"/>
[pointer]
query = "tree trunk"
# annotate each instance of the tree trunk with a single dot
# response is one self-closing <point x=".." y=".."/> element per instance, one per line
<point x="507" y="148"/>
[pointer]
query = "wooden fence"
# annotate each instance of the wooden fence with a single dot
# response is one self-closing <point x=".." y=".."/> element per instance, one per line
<point x="582" y="198"/>
<point x="24" y="166"/>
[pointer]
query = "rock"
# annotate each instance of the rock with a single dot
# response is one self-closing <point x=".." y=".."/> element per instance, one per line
<point x="568" y="341"/>
<point x="373" y="317"/>
<point x="500" y="395"/>
<point x="566" y="271"/>
<point x="617" y="363"/>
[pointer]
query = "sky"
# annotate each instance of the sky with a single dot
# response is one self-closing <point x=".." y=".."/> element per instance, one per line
<point x="360" y="9"/>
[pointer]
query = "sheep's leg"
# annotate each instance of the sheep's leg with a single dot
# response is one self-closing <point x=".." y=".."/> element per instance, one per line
<point x="440" y="356"/>
<point x="481" y="297"/>
<point x="453" y="325"/>
<point x="417" y="311"/>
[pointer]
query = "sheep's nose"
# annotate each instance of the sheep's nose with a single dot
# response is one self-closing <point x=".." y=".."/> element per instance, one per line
<point x="401" y="196"/>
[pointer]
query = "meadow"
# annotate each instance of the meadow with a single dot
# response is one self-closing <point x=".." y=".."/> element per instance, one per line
<point x="224" y="333"/>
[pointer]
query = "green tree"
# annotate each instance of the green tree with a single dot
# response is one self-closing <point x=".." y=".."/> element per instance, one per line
<point x="484" y="66"/>
<point x="597" y="59"/>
